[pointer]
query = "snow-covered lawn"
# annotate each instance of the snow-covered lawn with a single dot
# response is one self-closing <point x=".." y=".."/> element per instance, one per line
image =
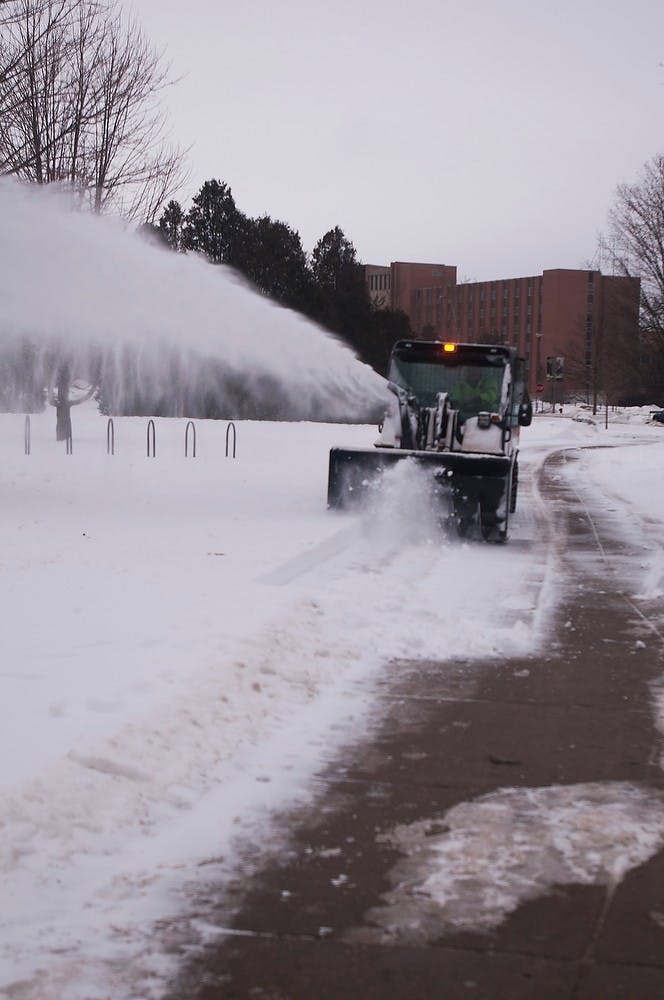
<point x="184" y="640"/>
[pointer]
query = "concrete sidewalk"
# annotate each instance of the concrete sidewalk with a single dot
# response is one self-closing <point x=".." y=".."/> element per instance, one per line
<point x="451" y="734"/>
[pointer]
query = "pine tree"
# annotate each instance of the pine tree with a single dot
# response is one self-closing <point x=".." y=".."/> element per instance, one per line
<point x="212" y="223"/>
<point x="344" y="304"/>
<point x="171" y="225"/>
<point x="273" y="258"/>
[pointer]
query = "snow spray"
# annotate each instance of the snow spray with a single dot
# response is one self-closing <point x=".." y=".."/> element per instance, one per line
<point x="159" y="325"/>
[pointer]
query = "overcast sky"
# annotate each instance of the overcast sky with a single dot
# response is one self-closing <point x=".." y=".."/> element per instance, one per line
<point x="486" y="134"/>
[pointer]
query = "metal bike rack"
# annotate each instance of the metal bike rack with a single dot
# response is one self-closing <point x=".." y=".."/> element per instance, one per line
<point x="152" y="439"/>
<point x="186" y="439"/>
<point x="110" y="437"/>
<point x="231" y="427"/>
<point x="26" y="434"/>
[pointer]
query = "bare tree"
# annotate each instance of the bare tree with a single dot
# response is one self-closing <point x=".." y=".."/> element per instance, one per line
<point x="31" y="36"/>
<point x="63" y="392"/>
<point x="635" y="246"/>
<point x="132" y="161"/>
<point x="80" y="90"/>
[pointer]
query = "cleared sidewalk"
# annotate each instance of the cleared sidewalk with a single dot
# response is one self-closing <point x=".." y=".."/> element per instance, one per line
<point x="308" y="927"/>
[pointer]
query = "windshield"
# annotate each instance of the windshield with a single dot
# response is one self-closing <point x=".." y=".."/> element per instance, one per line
<point x="471" y="388"/>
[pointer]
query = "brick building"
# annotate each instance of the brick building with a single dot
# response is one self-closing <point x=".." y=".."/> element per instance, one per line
<point x="585" y="317"/>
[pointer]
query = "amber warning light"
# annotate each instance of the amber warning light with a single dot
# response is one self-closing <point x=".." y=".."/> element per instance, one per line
<point x="449" y="348"/>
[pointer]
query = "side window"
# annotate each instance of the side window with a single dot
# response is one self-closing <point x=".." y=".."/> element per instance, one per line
<point x="521" y="404"/>
<point x="518" y="387"/>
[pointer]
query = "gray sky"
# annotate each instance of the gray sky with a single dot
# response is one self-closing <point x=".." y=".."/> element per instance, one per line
<point x="490" y="135"/>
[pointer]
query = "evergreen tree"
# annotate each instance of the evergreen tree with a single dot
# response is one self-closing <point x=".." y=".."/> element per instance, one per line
<point x="334" y="262"/>
<point x="343" y="299"/>
<point x="343" y="303"/>
<point x="273" y="258"/>
<point x="213" y="223"/>
<point x="171" y="224"/>
<point x="386" y="327"/>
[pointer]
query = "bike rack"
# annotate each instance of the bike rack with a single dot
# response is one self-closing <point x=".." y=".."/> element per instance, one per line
<point x="231" y="427"/>
<point x="26" y="434"/>
<point x="152" y="440"/>
<point x="110" y="437"/>
<point x="186" y="439"/>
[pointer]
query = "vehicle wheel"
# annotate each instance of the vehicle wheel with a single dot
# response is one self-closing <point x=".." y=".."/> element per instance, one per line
<point x="493" y="529"/>
<point x="464" y="524"/>
<point x="465" y="514"/>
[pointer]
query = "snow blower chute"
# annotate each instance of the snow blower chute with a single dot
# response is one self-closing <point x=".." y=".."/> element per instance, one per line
<point x="455" y="409"/>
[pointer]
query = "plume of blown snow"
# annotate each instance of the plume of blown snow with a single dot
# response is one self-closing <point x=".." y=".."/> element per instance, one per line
<point x="87" y="284"/>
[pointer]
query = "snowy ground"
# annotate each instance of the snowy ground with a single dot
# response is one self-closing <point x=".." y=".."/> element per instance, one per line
<point x="181" y="643"/>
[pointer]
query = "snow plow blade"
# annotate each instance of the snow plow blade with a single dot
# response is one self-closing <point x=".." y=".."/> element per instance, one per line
<point x="354" y="473"/>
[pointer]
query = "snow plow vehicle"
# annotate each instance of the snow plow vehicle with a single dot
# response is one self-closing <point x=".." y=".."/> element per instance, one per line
<point x="456" y="410"/>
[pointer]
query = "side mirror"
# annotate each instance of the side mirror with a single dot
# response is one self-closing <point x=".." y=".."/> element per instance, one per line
<point x="525" y="414"/>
